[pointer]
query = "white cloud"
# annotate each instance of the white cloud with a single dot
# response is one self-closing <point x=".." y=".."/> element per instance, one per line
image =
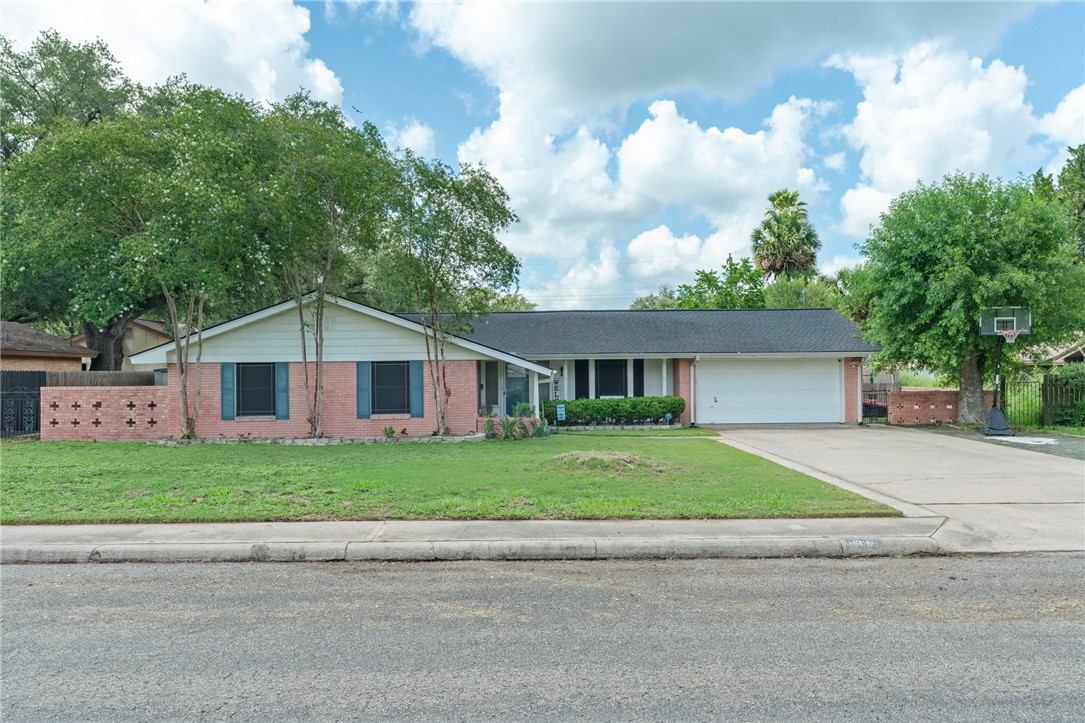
<point x="256" y="50"/>
<point x="862" y="206"/>
<point x="840" y="261"/>
<point x="671" y="159"/>
<point x="835" y="161"/>
<point x="568" y="56"/>
<point x="1065" y="126"/>
<point x="413" y="134"/>
<point x="658" y="251"/>
<point x="931" y="112"/>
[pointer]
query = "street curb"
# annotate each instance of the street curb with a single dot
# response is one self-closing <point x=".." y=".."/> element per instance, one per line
<point x="448" y="550"/>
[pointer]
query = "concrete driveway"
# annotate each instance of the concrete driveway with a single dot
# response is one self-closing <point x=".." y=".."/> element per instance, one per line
<point x="994" y="499"/>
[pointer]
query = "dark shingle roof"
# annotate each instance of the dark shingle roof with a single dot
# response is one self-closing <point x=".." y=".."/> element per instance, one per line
<point x="16" y="337"/>
<point x="537" y="334"/>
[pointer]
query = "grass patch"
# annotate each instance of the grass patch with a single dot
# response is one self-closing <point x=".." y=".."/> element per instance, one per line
<point x="912" y="379"/>
<point x="1074" y="431"/>
<point x="675" y="432"/>
<point x="559" y="477"/>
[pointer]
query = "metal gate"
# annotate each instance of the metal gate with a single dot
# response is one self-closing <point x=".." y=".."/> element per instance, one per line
<point x="20" y="403"/>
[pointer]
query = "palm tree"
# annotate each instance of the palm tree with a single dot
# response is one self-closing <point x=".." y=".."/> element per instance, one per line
<point x="785" y="244"/>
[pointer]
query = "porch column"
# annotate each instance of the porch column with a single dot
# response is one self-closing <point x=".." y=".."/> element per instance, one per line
<point x="591" y="379"/>
<point x="663" y="392"/>
<point x="533" y="392"/>
<point x="629" y="377"/>
<point x="565" y="379"/>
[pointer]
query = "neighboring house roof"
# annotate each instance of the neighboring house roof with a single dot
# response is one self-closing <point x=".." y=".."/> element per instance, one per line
<point x="543" y="334"/>
<point x="20" y="340"/>
<point x="158" y="354"/>
<point x="155" y="327"/>
<point x="1048" y="355"/>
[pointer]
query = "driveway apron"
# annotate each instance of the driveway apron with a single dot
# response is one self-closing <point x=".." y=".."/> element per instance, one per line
<point x="995" y="499"/>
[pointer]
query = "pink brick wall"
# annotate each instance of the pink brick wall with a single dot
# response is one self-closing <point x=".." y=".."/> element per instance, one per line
<point x="105" y="413"/>
<point x="852" y="387"/>
<point x="680" y="372"/>
<point x="926" y="406"/>
<point x="340" y="405"/>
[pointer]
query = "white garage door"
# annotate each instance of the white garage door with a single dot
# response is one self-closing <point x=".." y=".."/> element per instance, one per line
<point x="765" y="391"/>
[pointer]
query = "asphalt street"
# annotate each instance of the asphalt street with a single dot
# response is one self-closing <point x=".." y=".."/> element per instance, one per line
<point x="948" y="638"/>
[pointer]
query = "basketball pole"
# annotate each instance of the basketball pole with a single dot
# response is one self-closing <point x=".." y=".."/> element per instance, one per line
<point x="997" y="425"/>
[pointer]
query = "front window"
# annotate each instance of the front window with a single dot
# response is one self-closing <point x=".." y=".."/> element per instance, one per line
<point x="255" y="390"/>
<point x="391" y="387"/>
<point x="610" y="379"/>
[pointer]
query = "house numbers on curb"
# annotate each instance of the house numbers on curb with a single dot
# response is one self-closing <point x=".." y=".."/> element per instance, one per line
<point x="864" y="543"/>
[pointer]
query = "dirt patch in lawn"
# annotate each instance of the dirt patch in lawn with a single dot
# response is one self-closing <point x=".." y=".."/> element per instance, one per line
<point x="609" y="461"/>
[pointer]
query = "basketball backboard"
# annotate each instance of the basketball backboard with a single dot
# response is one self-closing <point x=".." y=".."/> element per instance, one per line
<point x="995" y="320"/>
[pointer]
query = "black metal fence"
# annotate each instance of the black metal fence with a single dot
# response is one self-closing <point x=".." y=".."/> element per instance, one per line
<point x="20" y="403"/>
<point x="1047" y="402"/>
<point x="876" y="406"/>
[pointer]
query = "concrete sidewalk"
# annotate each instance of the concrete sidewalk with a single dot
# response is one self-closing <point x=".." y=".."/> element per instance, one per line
<point x="476" y="540"/>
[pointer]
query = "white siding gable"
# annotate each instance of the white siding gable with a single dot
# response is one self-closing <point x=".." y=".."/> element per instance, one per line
<point x="348" y="336"/>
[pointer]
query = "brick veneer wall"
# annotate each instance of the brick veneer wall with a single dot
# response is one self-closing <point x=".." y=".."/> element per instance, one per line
<point x="105" y="413"/>
<point x="852" y="383"/>
<point x="340" y="405"/>
<point x="38" y="364"/>
<point x="927" y="406"/>
<point x="681" y="373"/>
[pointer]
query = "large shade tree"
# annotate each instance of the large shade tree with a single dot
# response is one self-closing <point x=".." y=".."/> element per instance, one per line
<point x="56" y="83"/>
<point x="328" y="198"/>
<point x="785" y="244"/>
<point x="149" y="209"/>
<point x="944" y="251"/>
<point x="441" y="247"/>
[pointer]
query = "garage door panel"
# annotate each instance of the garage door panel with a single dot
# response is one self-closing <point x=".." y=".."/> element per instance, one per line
<point x="769" y="391"/>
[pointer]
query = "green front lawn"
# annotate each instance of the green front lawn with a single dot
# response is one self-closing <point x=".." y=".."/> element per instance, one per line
<point x="559" y="477"/>
<point x="661" y="433"/>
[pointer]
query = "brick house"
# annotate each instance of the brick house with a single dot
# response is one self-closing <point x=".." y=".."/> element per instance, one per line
<point x="25" y="349"/>
<point x="731" y="366"/>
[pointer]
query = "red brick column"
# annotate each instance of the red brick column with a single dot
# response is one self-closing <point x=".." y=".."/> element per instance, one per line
<point x="681" y="371"/>
<point x="853" y="384"/>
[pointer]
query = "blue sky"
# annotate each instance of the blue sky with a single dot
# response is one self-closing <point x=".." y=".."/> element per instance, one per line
<point x="639" y="141"/>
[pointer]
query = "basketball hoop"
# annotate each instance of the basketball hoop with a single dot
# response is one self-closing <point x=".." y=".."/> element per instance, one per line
<point x="1010" y="335"/>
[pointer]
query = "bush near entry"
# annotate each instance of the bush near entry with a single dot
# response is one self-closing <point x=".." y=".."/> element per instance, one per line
<point x="624" y="410"/>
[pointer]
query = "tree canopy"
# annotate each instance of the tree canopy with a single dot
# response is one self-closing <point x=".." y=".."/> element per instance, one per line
<point x="57" y="83"/>
<point x="739" y="286"/>
<point x="945" y="250"/>
<point x="785" y="243"/>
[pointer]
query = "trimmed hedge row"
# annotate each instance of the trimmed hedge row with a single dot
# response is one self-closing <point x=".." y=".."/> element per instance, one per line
<point x="626" y="410"/>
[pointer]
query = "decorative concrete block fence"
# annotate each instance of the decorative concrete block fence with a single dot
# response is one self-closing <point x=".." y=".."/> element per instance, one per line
<point x="105" y="413"/>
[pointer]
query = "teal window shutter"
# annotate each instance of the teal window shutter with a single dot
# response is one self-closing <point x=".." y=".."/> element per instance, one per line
<point x="227" y="382"/>
<point x="365" y="401"/>
<point x="282" y="390"/>
<point x="418" y="406"/>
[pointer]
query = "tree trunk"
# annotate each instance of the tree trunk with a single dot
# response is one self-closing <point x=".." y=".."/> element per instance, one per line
<point x="972" y="407"/>
<point x="108" y="342"/>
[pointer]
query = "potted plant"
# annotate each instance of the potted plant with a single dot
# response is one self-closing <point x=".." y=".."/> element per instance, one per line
<point x="488" y="427"/>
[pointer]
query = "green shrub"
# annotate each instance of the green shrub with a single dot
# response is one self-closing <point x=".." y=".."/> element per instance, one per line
<point x="1070" y="380"/>
<point x="523" y="409"/>
<point x="625" y="410"/>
